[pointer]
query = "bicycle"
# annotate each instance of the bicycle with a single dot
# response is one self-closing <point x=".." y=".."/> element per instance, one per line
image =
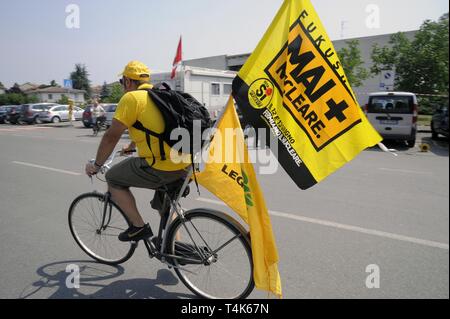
<point x="98" y="125"/>
<point x="209" y="250"/>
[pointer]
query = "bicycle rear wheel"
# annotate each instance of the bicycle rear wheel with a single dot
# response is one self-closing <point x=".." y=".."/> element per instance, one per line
<point x="221" y="246"/>
<point x="96" y="234"/>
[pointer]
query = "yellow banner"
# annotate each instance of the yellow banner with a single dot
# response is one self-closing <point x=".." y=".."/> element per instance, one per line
<point x="294" y="84"/>
<point x="230" y="176"/>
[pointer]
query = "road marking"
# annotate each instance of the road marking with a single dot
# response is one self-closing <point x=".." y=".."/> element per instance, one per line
<point x="47" y="168"/>
<point x="402" y="171"/>
<point x="18" y="129"/>
<point x="357" y="229"/>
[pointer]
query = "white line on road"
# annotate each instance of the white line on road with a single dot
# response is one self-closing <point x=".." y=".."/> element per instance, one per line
<point x="346" y="227"/>
<point x="402" y="171"/>
<point x="48" y="168"/>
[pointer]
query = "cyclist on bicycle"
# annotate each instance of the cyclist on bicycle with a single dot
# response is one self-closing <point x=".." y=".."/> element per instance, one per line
<point x="98" y="114"/>
<point x="147" y="170"/>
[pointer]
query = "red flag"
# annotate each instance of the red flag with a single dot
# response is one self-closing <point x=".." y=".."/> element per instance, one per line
<point x="177" y="60"/>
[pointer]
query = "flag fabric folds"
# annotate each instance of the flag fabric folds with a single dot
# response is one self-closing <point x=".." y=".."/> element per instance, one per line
<point x="230" y="176"/>
<point x="294" y="85"/>
<point x="177" y="60"/>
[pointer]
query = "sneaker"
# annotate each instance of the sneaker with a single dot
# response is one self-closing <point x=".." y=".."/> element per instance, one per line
<point x="136" y="233"/>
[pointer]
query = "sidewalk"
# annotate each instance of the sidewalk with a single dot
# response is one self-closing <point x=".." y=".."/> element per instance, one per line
<point x="62" y="124"/>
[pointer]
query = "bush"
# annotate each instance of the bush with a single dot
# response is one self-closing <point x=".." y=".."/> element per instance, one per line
<point x="428" y="104"/>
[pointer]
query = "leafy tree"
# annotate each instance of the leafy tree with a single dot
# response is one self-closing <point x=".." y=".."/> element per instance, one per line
<point x="17" y="99"/>
<point x="2" y="86"/>
<point x="116" y="93"/>
<point x="12" y="99"/>
<point x="32" y="99"/>
<point x="54" y="84"/>
<point x="64" y="100"/>
<point x="104" y="93"/>
<point x="80" y="79"/>
<point x="352" y="63"/>
<point x="421" y="65"/>
<point x="15" y="89"/>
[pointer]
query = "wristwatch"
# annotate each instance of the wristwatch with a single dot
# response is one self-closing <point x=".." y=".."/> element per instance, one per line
<point x="97" y="165"/>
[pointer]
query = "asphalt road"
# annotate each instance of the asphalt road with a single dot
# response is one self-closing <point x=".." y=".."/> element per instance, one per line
<point x="392" y="212"/>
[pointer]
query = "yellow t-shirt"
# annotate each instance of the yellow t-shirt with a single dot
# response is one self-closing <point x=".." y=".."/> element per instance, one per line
<point x="137" y="106"/>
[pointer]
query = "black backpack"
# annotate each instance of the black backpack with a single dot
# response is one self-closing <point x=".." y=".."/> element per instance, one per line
<point x="179" y="110"/>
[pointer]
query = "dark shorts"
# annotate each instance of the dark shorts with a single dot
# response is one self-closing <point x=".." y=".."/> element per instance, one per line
<point x="136" y="172"/>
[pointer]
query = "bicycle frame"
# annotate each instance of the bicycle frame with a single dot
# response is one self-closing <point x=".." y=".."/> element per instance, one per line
<point x="168" y="217"/>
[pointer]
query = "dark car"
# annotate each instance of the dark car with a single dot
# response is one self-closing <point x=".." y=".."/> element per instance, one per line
<point x="3" y="110"/>
<point x="30" y="112"/>
<point x="439" y="122"/>
<point x="13" y="114"/>
<point x="87" y="117"/>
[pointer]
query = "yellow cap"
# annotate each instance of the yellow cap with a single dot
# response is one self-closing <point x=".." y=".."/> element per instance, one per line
<point x="136" y="70"/>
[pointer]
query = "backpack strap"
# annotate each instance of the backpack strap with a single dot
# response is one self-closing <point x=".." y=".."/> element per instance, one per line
<point x="138" y="125"/>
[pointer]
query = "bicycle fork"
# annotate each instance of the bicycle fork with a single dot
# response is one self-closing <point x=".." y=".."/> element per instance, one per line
<point x="107" y="213"/>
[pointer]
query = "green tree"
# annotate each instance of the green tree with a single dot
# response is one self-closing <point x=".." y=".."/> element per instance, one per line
<point x="116" y="93"/>
<point x="15" y="89"/>
<point x="352" y="63"/>
<point x="64" y="100"/>
<point x="31" y="99"/>
<point x="80" y="79"/>
<point x="54" y="84"/>
<point x="421" y="65"/>
<point x="2" y="86"/>
<point x="104" y="93"/>
<point x="13" y="99"/>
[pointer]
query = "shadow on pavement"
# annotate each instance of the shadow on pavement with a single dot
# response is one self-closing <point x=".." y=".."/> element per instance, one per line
<point x="438" y="146"/>
<point x="55" y="283"/>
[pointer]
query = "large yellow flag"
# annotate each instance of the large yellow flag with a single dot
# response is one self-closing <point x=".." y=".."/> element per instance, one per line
<point x="295" y="85"/>
<point x="230" y="176"/>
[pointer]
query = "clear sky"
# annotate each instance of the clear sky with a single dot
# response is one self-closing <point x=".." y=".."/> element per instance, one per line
<point x="36" y="46"/>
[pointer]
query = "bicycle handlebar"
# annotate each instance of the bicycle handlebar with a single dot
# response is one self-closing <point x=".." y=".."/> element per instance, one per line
<point x="106" y="166"/>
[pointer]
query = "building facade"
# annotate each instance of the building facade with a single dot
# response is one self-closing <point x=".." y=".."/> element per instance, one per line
<point x="211" y="87"/>
<point x="372" y="84"/>
<point x="54" y="94"/>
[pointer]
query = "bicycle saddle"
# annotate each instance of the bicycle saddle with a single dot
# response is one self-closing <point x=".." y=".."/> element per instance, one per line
<point x="172" y="190"/>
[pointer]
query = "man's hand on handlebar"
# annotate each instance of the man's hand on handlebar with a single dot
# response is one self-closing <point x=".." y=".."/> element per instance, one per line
<point x="91" y="169"/>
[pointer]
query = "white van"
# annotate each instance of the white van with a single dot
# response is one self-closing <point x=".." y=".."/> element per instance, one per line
<point x="394" y="115"/>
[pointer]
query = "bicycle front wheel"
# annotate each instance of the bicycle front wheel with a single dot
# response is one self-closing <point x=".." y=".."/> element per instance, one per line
<point x="96" y="229"/>
<point x="213" y="251"/>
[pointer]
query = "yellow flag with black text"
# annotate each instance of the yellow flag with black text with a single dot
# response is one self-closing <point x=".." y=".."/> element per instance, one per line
<point x="294" y="85"/>
<point x="230" y="176"/>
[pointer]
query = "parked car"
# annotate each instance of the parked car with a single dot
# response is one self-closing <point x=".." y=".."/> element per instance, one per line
<point x="3" y="110"/>
<point x="439" y="122"/>
<point x="78" y="113"/>
<point x="60" y="113"/>
<point x="110" y="110"/>
<point x="30" y="112"/>
<point x="87" y="116"/>
<point x="394" y="115"/>
<point x="13" y="114"/>
<point x="55" y="114"/>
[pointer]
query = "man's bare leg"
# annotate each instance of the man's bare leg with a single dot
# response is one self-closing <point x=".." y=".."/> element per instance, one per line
<point x="126" y="201"/>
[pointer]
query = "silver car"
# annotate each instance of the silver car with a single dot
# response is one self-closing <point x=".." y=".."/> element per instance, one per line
<point x="110" y="109"/>
<point x="60" y="113"/>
